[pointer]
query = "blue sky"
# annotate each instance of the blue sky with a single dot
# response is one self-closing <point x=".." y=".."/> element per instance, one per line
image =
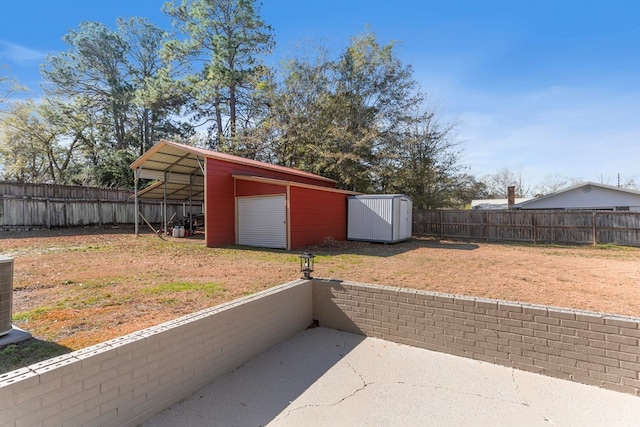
<point x="539" y="87"/>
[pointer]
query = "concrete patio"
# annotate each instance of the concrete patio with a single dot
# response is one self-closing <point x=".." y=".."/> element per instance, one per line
<point x="325" y="377"/>
<point x="381" y="356"/>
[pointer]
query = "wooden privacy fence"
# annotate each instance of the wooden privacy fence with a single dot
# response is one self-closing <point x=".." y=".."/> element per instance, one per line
<point x="25" y="206"/>
<point x="566" y="227"/>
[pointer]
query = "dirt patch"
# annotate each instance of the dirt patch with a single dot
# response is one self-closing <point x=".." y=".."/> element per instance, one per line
<point x="79" y="288"/>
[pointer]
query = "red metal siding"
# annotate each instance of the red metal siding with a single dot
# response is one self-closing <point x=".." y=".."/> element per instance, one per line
<point x="250" y="188"/>
<point x="220" y="228"/>
<point x="317" y="215"/>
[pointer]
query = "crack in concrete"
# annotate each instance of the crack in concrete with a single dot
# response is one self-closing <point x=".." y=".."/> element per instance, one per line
<point x="476" y="395"/>
<point x="365" y="384"/>
<point x="515" y="384"/>
<point x="526" y="403"/>
<point x="319" y="405"/>
<point x="341" y="354"/>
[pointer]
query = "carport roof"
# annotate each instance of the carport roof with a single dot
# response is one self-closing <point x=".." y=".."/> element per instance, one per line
<point x="175" y="191"/>
<point x="182" y="167"/>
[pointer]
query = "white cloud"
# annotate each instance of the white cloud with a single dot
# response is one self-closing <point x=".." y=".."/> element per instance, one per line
<point x="590" y="133"/>
<point x="11" y="52"/>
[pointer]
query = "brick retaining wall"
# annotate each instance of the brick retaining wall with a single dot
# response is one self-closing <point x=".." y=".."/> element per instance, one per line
<point x="586" y="347"/>
<point x="129" y="379"/>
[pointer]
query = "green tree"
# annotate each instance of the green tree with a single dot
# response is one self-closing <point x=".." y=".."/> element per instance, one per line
<point x="157" y="96"/>
<point x="8" y="87"/>
<point x="357" y="119"/>
<point x="298" y="118"/>
<point x="94" y="69"/>
<point x="115" y="91"/>
<point x="377" y="96"/>
<point x="32" y="148"/>
<point x="343" y="118"/>
<point x="428" y="167"/>
<point x="224" y="39"/>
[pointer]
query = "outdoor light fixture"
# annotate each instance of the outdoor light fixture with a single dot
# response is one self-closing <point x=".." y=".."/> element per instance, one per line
<point x="306" y="264"/>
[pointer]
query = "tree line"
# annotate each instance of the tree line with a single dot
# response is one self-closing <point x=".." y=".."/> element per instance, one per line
<point x="358" y="116"/>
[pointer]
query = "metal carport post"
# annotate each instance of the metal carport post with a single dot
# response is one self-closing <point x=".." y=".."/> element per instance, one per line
<point x="136" y="174"/>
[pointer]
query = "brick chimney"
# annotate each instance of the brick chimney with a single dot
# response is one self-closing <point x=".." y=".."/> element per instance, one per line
<point x="511" y="196"/>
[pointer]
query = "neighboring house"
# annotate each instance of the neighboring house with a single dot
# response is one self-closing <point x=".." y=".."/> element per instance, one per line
<point x="246" y="201"/>
<point x="587" y="196"/>
<point x="494" y="204"/>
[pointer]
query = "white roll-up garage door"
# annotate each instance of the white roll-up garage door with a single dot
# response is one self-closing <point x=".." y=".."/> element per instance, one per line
<point x="262" y="221"/>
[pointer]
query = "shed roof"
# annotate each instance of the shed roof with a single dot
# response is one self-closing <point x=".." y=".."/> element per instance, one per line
<point x="182" y="167"/>
<point x="382" y="196"/>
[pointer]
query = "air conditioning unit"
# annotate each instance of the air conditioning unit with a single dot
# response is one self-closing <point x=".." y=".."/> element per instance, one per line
<point x="6" y="294"/>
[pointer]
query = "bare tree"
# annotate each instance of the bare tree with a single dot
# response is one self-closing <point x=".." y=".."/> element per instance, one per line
<point x="497" y="183"/>
<point x="621" y="181"/>
<point x="555" y="182"/>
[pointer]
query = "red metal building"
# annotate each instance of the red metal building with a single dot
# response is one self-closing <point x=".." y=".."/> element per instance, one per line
<point x="245" y="201"/>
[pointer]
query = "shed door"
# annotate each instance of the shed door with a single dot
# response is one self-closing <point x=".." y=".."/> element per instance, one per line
<point x="405" y="219"/>
<point x="262" y="221"/>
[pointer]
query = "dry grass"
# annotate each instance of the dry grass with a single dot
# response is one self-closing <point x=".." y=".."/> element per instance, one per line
<point x="80" y="289"/>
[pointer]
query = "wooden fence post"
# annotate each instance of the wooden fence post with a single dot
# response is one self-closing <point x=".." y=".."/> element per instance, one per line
<point x="486" y="225"/>
<point x="47" y="207"/>
<point x="595" y="230"/>
<point x="99" y="214"/>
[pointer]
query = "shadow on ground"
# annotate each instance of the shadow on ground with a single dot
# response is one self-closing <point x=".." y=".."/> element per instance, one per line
<point x="392" y="249"/>
<point x="260" y="390"/>
<point x="324" y="377"/>
<point x="28" y="352"/>
<point x="374" y="249"/>
<point x="29" y="233"/>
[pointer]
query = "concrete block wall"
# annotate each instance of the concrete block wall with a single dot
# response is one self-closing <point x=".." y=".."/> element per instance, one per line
<point x="586" y="347"/>
<point x="129" y="379"/>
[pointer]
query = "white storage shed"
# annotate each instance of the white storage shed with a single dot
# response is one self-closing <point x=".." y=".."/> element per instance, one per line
<point x="384" y="218"/>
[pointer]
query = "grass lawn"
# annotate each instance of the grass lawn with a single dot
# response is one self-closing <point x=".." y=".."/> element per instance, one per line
<point x="79" y="288"/>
